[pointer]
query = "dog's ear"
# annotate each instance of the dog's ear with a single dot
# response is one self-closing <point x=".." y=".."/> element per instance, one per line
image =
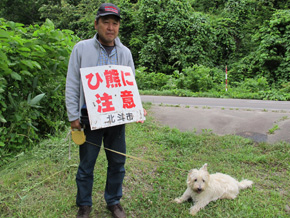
<point x="204" y="167"/>
<point x="190" y="172"/>
<point x="191" y="175"/>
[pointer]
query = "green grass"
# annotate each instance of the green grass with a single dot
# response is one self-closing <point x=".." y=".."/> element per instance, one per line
<point x="273" y="129"/>
<point x="41" y="183"/>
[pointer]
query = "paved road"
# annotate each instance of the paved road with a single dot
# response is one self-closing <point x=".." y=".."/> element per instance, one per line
<point x="248" y="118"/>
<point x="218" y="102"/>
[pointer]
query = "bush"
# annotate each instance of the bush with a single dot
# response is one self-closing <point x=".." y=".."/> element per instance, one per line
<point x="255" y="85"/>
<point x="199" y="78"/>
<point x="33" y="65"/>
<point x="155" y="81"/>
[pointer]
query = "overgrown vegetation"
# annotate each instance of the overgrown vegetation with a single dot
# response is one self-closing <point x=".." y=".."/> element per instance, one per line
<point x="41" y="183"/>
<point x="33" y="65"/>
<point x="164" y="36"/>
<point x="179" y="47"/>
<point x="167" y="36"/>
<point x="201" y="81"/>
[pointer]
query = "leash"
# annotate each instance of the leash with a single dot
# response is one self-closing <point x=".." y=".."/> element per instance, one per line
<point x="117" y="152"/>
<point x="69" y="137"/>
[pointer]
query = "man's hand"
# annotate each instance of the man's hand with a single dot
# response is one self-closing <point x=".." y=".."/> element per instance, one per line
<point x="76" y="124"/>
<point x="145" y="113"/>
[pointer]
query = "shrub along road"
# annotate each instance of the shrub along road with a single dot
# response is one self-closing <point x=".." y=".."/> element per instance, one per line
<point x="262" y="121"/>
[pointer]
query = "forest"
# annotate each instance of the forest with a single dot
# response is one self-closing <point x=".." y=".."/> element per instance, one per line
<point x="179" y="48"/>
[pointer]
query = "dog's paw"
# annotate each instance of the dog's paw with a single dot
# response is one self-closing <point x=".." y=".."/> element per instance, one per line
<point x="178" y="200"/>
<point x="193" y="211"/>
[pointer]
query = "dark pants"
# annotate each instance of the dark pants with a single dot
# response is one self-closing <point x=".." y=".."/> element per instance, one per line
<point x="113" y="138"/>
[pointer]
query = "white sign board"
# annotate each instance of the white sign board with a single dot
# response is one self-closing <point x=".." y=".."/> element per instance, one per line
<point x="112" y="96"/>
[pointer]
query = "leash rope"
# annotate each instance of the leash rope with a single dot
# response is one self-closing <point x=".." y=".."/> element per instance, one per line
<point x="126" y="155"/>
<point x="68" y="137"/>
<point x="123" y="154"/>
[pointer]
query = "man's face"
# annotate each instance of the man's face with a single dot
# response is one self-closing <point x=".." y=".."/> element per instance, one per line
<point x="108" y="29"/>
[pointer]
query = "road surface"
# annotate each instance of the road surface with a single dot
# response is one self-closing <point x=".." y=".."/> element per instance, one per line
<point x="262" y="121"/>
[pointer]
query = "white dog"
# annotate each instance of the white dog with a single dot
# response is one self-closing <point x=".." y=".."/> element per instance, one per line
<point x="204" y="188"/>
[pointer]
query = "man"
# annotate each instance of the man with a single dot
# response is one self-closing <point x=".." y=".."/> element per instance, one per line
<point x="104" y="49"/>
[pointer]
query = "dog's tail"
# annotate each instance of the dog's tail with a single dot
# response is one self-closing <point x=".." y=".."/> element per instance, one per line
<point x="245" y="184"/>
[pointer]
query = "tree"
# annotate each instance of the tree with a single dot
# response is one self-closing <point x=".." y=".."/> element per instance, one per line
<point x="170" y="36"/>
<point x="24" y="11"/>
<point x="271" y="58"/>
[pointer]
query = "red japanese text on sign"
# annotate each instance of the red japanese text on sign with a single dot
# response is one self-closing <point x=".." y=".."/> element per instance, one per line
<point x="128" y="101"/>
<point x="105" y="103"/>
<point x="113" y="79"/>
